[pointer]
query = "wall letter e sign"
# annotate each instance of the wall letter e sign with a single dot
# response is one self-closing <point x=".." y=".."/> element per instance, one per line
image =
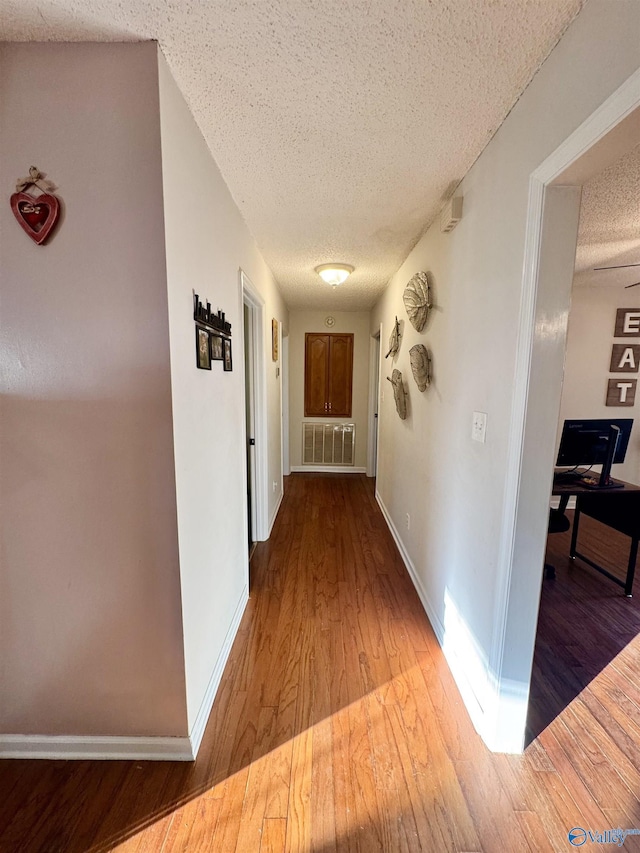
<point x="36" y="214"/>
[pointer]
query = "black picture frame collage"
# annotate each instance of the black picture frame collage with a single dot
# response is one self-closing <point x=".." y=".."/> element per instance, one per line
<point x="213" y="337"/>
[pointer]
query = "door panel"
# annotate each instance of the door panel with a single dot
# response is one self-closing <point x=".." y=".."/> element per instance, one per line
<point x="340" y="375"/>
<point x="316" y="378"/>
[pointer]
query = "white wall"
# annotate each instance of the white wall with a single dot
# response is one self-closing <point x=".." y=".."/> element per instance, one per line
<point x="356" y="322"/>
<point x="589" y="341"/>
<point x="90" y="619"/>
<point x="453" y="487"/>
<point x="207" y="243"/>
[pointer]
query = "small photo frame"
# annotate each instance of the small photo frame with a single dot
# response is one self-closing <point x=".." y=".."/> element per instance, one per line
<point x="226" y="354"/>
<point x="203" y="353"/>
<point x="274" y="340"/>
<point x="215" y="342"/>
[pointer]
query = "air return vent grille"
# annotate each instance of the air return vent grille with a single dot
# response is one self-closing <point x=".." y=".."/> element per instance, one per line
<point x="328" y="444"/>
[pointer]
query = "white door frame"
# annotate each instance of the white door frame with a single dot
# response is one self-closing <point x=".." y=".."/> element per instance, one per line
<point x="259" y="488"/>
<point x="533" y="427"/>
<point x="284" y="398"/>
<point x="374" y="403"/>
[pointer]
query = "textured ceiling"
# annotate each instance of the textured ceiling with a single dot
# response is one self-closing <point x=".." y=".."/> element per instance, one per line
<point x="609" y="230"/>
<point x="338" y="126"/>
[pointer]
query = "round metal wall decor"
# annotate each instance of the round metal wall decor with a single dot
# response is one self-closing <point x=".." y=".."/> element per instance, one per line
<point x="417" y="300"/>
<point x="400" y="395"/>
<point x="420" y="366"/>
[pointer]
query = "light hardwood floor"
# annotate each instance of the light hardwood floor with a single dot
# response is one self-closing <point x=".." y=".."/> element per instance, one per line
<point x="338" y="726"/>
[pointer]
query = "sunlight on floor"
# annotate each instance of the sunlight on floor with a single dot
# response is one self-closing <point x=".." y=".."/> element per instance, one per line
<point x="293" y="787"/>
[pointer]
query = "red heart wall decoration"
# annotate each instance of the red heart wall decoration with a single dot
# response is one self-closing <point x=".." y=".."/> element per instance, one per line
<point x="37" y="215"/>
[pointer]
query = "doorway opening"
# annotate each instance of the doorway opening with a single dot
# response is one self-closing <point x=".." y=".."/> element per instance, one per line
<point x="554" y="200"/>
<point x="599" y="534"/>
<point x="249" y="408"/>
<point x="284" y="354"/>
<point x="255" y="412"/>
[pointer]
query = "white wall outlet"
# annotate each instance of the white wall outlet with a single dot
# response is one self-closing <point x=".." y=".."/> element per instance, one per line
<point x="275" y="485"/>
<point x="408" y="521"/>
<point x="479" y="426"/>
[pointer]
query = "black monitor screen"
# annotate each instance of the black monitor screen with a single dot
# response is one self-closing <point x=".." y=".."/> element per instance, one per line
<point x="585" y="442"/>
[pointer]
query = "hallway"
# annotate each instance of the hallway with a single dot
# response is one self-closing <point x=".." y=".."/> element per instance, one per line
<point x="337" y="727"/>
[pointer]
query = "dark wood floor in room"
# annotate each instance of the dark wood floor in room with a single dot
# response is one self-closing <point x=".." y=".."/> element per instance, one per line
<point x="338" y="727"/>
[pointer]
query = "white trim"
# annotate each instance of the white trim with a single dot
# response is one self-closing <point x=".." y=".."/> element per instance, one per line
<point x="327" y="469"/>
<point x="379" y="400"/>
<point x="374" y="385"/>
<point x="612" y="111"/>
<point x="461" y="661"/>
<point x="284" y="399"/>
<point x="260" y="494"/>
<point x="555" y="502"/>
<point x="520" y="394"/>
<point x="609" y="114"/>
<point x="96" y="748"/>
<point x="275" y="513"/>
<point x="197" y="731"/>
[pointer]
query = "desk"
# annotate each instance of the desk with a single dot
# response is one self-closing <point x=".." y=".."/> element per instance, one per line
<point x="617" y="508"/>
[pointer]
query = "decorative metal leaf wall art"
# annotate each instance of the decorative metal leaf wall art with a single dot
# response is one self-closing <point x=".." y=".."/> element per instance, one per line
<point x="394" y="340"/>
<point x="400" y="395"/>
<point x="420" y="366"/>
<point x="417" y="300"/>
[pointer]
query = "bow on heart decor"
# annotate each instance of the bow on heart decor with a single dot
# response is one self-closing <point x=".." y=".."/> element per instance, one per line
<point x="36" y="214"/>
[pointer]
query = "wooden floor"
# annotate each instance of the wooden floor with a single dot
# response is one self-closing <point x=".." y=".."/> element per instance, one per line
<point x="338" y="727"/>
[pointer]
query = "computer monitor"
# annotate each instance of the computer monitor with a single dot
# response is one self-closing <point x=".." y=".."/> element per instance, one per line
<point x="594" y="442"/>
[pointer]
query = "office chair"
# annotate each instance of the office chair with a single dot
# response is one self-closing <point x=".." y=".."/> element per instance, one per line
<point x="558" y="523"/>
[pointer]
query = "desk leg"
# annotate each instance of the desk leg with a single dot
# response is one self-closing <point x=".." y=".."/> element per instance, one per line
<point x="631" y="568"/>
<point x="574" y="532"/>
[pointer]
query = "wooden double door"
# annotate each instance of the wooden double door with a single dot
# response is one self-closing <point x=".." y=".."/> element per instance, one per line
<point x="328" y="375"/>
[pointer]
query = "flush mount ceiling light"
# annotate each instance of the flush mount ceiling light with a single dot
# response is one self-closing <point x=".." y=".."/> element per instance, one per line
<point x="334" y="274"/>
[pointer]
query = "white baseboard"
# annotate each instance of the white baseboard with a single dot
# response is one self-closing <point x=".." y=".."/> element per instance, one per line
<point x="275" y="513"/>
<point x="327" y="469"/>
<point x="466" y="664"/>
<point x="555" y="502"/>
<point x="197" y="732"/>
<point x="97" y="747"/>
